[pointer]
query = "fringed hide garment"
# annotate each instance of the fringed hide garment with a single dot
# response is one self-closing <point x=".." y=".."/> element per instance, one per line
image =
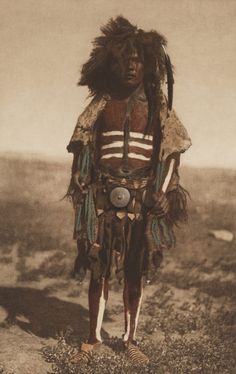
<point x="131" y="238"/>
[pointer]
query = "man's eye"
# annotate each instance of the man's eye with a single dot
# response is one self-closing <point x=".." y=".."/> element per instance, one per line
<point x="135" y="59"/>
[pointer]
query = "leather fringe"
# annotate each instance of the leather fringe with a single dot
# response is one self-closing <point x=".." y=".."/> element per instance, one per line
<point x="178" y="205"/>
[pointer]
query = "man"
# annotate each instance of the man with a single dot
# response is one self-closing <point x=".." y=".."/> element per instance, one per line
<point x="125" y="184"/>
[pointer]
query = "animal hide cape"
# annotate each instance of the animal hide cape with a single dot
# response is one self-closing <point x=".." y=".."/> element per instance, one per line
<point x="174" y="135"/>
<point x="159" y="230"/>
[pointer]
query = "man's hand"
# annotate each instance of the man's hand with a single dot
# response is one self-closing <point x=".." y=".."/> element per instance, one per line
<point x="76" y="178"/>
<point x="161" y="206"/>
<point x="82" y="186"/>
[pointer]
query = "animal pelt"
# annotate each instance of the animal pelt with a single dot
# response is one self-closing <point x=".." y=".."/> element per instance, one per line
<point x="108" y="58"/>
<point x="106" y="65"/>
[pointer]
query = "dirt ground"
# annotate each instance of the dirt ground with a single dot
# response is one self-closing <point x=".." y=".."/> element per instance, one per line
<point x="188" y="316"/>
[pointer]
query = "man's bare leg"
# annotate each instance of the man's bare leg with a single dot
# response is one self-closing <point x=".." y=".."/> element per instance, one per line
<point x="98" y="295"/>
<point x="133" y="291"/>
<point x="132" y="302"/>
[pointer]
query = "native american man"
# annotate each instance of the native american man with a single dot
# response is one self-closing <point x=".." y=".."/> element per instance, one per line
<point x="125" y="183"/>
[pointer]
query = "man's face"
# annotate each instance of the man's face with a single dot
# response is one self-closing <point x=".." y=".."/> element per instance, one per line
<point x="133" y="74"/>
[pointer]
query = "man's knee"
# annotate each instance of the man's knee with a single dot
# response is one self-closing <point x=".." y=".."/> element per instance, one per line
<point x="134" y="289"/>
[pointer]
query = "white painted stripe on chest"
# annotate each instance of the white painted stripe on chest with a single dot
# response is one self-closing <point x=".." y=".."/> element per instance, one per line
<point x="133" y="134"/>
<point x="113" y="145"/>
<point x="131" y="144"/>
<point x="130" y="155"/>
<point x="110" y="155"/>
<point x="139" y="135"/>
<point x="140" y="145"/>
<point x="138" y="157"/>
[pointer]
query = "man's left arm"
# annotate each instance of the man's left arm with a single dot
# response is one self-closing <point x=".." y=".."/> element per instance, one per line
<point x="175" y="140"/>
<point x="169" y="182"/>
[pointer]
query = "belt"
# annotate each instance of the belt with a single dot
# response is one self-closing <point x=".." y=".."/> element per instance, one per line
<point x="125" y="173"/>
<point x="131" y="184"/>
<point x="119" y="192"/>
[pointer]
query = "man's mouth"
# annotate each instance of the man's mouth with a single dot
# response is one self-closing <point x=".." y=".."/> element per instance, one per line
<point x="130" y="76"/>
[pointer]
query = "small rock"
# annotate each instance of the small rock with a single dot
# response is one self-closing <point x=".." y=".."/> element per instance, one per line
<point x="222" y="235"/>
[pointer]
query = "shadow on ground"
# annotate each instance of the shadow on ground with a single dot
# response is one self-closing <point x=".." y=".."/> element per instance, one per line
<point x="45" y="316"/>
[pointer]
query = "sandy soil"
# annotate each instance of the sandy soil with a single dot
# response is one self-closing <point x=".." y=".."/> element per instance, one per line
<point x="188" y="316"/>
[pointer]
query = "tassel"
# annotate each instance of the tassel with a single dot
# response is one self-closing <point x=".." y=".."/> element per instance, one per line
<point x="166" y="232"/>
<point x="162" y="234"/>
<point x="91" y="217"/>
<point x="159" y="173"/>
<point x="86" y="216"/>
<point x="162" y="228"/>
<point x="84" y="162"/>
<point x="178" y="205"/>
<point x="78" y="221"/>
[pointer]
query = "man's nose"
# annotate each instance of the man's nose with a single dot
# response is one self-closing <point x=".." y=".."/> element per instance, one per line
<point x="131" y="65"/>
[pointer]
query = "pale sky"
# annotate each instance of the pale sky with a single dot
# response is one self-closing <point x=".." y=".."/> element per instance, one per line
<point x="44" y="43"/>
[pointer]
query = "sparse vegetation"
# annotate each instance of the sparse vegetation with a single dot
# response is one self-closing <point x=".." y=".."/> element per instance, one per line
<point x="188" y="319"/>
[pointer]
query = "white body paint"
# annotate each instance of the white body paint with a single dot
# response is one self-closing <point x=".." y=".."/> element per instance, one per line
<point x="140" y="135"/>
<point x="168" y="176"/>
<point x="113" y="145"/>
<point x="131" y="144"/>
<point x="133" y="134"/>
<point x="138" y="312"/>
<point x="140" y="145"/>
<point x="130" y="154"/>
<point x="110" y="155"/>
<point x="112" y="133"/>
<point x="139" y="157"/>
<point x="101" y="308"/>
<point x="126" y="336"/>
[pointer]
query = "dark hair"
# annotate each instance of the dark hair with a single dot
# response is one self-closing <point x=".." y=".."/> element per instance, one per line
<point x="119" y="38"/>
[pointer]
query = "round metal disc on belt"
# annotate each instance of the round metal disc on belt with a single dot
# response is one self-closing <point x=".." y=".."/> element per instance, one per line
<point x="120" y="197"/>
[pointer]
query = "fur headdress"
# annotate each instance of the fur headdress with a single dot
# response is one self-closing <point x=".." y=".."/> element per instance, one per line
<point x="108" y="60"/>
<point x="120" y="38"/>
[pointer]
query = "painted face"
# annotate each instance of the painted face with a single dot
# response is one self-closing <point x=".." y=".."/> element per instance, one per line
<point x="134" y="68"/>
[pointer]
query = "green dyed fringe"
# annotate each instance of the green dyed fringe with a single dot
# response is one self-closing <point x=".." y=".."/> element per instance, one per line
<point x="84" y="162"/>
<point x="161" y="228"/>
<point x="86" y="214"/>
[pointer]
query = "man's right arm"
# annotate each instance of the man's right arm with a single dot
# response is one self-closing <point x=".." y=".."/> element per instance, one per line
<point x="75" y="147"/>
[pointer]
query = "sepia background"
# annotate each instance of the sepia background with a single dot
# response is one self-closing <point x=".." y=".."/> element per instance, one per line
<point x="188" y="317"/>
<point x="44" y="43"/>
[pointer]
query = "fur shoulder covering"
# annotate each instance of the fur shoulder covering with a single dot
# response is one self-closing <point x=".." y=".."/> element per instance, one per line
<point x="175" y="137"/>
<point x="83" y="131"/>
